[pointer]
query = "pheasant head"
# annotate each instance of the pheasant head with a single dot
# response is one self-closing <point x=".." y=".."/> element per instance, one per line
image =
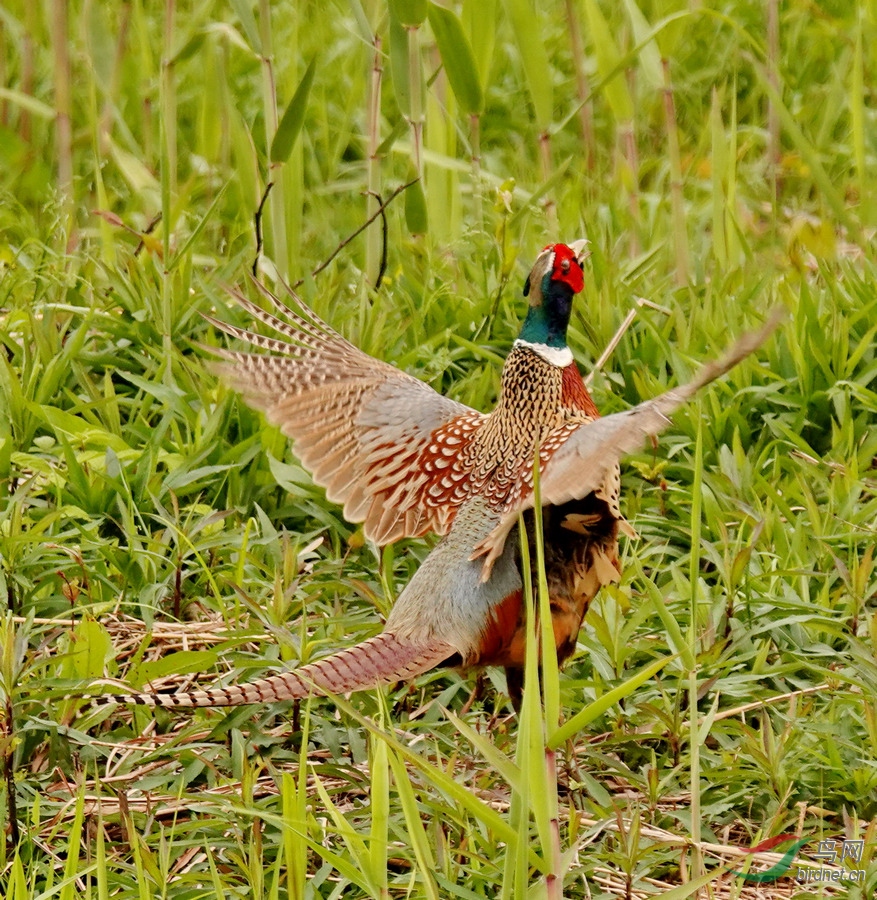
<point x="556" y="277"/>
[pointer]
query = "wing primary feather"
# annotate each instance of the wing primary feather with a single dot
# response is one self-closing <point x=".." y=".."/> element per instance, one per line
<point x="305" y="318"/>
<point x="360" y="424"/>
<point x="301" y="325"/>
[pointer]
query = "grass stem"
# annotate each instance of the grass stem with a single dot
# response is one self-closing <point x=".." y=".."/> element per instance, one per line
<point x="374" y="241"/>
<point x="680" y="231"/>
<point x="63" y="82"/>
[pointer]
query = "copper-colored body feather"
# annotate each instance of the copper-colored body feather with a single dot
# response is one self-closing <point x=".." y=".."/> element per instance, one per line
<point x="404" y="460"/>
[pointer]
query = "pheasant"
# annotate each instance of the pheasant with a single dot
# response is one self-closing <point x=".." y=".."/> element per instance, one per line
<point x="405" y="460"/>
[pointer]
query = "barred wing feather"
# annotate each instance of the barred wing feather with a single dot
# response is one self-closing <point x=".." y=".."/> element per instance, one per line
<point x="360" y="425"/>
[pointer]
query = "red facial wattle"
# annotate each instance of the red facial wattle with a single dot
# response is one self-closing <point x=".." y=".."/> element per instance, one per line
<point x="567" y="269"/>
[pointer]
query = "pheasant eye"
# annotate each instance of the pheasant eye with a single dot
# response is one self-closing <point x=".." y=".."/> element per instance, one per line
<point x="564" y="265"/>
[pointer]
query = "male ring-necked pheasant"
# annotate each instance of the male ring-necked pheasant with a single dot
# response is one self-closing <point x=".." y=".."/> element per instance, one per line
<point x="404" y="461"/>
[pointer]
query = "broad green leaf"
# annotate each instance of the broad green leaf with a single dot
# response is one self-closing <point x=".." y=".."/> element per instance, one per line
<point x="537" y="69"/>
<point x="182" y="662"/>
<point x="601" y="704"/>
<point x="16" y="881"/>
<point x="416" y="217"/>
<point x="248" y="23"/>
<point x="139" y="178"/>
<point x="479" y="21"/>
<point x="67" y="424"/>
<point x="293" y="118"/>
<point x="245" y="157"/>
<point x="409" y="13"/>
<point x="399" y="65"/>
<point x="182" y="475"/>
<point x="415" y="825"/>
<point x="386" y="145"/>
<point x="28" y="103"/>
<point x="90" y="647"/>
<point x="229" y="33"/>
<point x="607" y="53"/>
<point x="191" y="47"/>
<point x="362" y="23"/>
<point x="458" y="59"/>
<point x="649" y="55"/>
<point x="706" y="723"/>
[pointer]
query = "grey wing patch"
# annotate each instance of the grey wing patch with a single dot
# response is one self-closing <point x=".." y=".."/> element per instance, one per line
<point x="447" y="601"/>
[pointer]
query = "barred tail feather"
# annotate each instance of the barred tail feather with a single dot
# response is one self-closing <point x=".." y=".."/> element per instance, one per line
<point x="381" y="660"/>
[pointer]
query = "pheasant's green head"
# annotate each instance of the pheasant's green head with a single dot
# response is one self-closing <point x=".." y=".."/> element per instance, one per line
<point x="556" y="277"/>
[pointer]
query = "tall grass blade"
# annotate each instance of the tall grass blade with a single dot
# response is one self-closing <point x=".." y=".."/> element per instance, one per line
<point x="293" y="117"/>
<point x="374" y="236"/>
<point x="415" y="825"/>
<point x="694" y="743"/>
<point x="857" y="121"/>
<point x="597" y="707"/>
<point x="680" y="232"/>
<point x="379" y="796"/>
<point x="718" y="166"/>
<point x="534" y="59"/>
<point x="480" y="22"/>
<point x="645" y="38"/>
<point x="608" y="56"/>
<point x="74" y="839"/>
<point x="817" y="171"/>
<point x="457" y="58"/>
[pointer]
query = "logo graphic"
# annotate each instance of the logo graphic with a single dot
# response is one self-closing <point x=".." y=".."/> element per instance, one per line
<point x="779" y="869"/>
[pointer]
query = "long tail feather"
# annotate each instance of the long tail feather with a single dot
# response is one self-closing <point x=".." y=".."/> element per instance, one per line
<point x="380" y="660"/>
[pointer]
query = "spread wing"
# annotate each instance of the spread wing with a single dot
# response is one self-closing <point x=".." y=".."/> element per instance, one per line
<point x="360" y="426"/>
<point x="583" y="461"/>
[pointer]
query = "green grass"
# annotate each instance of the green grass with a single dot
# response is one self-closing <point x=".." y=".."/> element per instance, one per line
<point x="154" y="529"/>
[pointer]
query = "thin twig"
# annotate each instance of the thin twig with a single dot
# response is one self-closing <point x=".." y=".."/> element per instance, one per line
<point x="258" y="220"/>
<point x="619" y="334"/>
<point x="768" y="701"/>
<point x="349" y="238"/>
<point x="153" y="222"/>
<point x="385" y="230"/>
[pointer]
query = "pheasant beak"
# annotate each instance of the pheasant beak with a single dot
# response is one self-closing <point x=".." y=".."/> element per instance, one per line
<point x="580" y="248"/>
